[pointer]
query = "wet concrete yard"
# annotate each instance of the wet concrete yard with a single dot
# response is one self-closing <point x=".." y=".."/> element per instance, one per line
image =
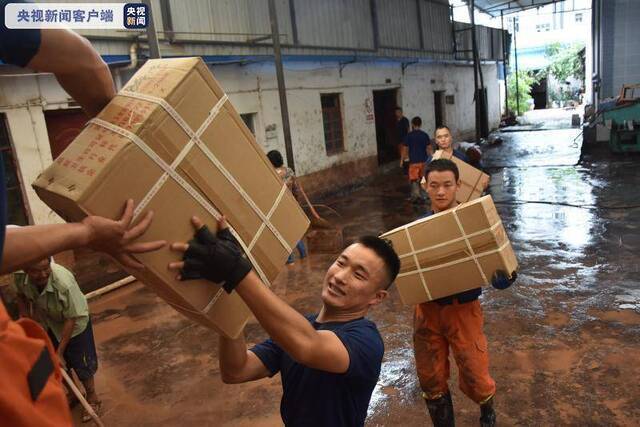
<point x="564" y="340"/>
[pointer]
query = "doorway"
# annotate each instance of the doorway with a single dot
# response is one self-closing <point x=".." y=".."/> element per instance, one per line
<point x="384" y="104"/>
<point x="438" y="106"/>
<point x="539" y="94"/>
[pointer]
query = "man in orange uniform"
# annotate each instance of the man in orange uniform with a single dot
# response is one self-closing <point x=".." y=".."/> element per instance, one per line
<point x="456" y="322"/>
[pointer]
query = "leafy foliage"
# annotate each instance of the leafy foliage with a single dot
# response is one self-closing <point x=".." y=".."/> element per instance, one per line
<point x="525" y="81"/>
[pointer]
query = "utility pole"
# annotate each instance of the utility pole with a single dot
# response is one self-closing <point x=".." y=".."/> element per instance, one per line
<point x="284" y="109"/>
<point x="504" y="65"/>
<point x="152" y="36"/>
<point x="515" y="54"/>
<point x="478" y="94"/>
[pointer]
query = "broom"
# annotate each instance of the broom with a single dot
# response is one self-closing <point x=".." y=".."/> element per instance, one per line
<point x="316" y="221"/>
<point x="81" y="398"/>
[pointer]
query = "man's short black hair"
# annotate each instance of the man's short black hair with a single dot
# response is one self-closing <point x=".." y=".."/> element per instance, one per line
<point x="441" y="165"/>
<point x="275" y="158"/>
<point x="384" y="249"/>
<point x="416" y="121"/>
<point x="442" y="127"/>
<point x="398" y="109"/>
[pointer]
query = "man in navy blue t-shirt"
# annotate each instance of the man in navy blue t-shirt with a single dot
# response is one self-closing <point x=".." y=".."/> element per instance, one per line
<point x="419" y="150"/>
<point x="329" y="362"/>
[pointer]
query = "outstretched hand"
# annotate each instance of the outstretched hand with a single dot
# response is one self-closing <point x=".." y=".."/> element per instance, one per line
<point x="500" y="280"/>
<point x="217" y="258"/>
<point x="115" y="237"/>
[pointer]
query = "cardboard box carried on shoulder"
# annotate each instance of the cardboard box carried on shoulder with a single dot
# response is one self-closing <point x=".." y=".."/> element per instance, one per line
<point x="473" y="181"/>
<point x="172" y="142"/>
<point x="451" y="251"/>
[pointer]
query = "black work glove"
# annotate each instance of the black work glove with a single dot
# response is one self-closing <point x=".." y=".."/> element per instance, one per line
<point x="217" y="258"/>
<point x="500" y="280"/>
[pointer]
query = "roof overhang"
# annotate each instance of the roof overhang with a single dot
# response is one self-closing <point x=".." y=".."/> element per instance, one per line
<point x="497" y="7"/>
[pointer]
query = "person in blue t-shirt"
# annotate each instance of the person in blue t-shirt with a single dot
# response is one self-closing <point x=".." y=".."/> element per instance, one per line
<point x="454" y="322"/>
<point x="329" y="362"/>
<point x="418" y="150"/>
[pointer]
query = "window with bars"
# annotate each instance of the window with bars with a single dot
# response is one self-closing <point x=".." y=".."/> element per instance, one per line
<point x="332" y="120"/>
<point x="16" y="211"/>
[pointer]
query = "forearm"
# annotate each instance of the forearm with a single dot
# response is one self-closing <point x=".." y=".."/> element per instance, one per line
<point x="284" y="325"/>
<point x="67" y="330"/>
<point x="232" y="356"/>
<point x="77" y="66"/>
<point x="92" y="90"/>
<point x="26" y="245"/>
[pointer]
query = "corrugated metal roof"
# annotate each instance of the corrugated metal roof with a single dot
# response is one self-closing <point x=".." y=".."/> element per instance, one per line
<point x="226" y="20"/>
<point x="397" y="23"/>
<point x="489" y="42"/>
<point x="334" y="23"/>
<point x="420" y="29"/>
<point x="436" y="27"/>
<point x="495" y="7"/>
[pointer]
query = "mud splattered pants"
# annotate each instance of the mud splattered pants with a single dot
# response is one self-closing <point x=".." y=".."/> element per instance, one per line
<point x="459" y="326"/>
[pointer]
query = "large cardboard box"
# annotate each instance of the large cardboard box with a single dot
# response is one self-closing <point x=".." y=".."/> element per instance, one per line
<point x="473" y="180"/>
<point x="172" y="142"/>
<point x="451" y="251"/>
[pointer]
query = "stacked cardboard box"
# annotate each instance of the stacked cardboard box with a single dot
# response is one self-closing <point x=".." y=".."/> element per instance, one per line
<point x="172" y="142"/>
<point x="451" y="251"/>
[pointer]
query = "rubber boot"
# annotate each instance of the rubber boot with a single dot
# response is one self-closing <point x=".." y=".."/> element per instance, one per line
<point x="487" y="414"/>
<point x="441" y="411"/>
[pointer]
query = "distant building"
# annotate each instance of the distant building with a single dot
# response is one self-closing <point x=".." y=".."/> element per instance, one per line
<point x="567" y="23"/>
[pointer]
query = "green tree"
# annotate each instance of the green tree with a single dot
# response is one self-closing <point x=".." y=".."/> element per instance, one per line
<point x="525" y="81"/>
<point x="565" y="61"/>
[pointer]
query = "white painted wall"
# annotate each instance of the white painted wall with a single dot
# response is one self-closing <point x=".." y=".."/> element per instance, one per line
<point x="23" y="100"/>
<point x="253" y="89"/>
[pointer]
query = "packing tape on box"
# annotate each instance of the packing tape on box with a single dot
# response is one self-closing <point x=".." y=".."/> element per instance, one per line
<point x="448" y="242"/>
<point x="192" y="192"/>
<point x="458" y="261"/>
<point x="169" y="171"/>
<point x="471" y="251"/>
<point x="475" y="185"/>
<point x="195" y="136"/>
<point x="271" y="211"/>
<point x="183" y="153"/>
<point x="415" y="258"/>
<point x="472" y="256"/>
